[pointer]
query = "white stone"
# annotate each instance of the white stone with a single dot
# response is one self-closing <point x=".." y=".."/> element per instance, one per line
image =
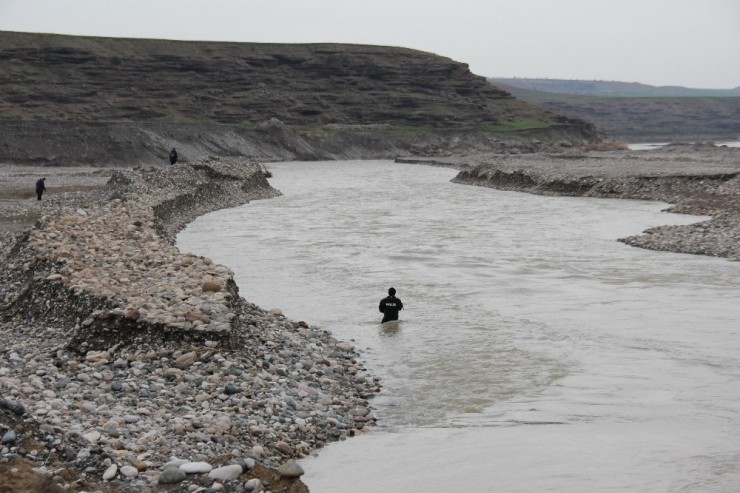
<point x="196" y="467"/>
<point x="129" y="471"/>
<point x="290" y="469"/>
<point x="92" y="437"/>
<point x="175" y="463"/>
<point x="253" y="484"/>
<point x="226" y="473"/>
<point x="110" y="473"/>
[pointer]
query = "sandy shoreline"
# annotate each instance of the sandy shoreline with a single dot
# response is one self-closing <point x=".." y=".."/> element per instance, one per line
<point x="137" y="365"/>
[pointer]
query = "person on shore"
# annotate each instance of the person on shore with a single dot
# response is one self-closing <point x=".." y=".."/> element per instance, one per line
<point x="173" y="156"/>
<point x="390" y="306"/>
<point x="40" y="187"/>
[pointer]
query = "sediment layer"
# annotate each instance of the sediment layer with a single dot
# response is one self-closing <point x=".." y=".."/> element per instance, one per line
<point x="105" y="101"/>
<point x="119" y="350"/>
<point x="49" y="77"/>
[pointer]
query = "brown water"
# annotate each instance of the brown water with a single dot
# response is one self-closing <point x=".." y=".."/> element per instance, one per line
<point x="535" y="352"/>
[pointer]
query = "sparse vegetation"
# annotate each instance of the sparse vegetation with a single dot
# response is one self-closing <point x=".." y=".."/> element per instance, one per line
<point x="50" y="77"/>
<point x="85" y="100"/>
<point x="516" y="126"/>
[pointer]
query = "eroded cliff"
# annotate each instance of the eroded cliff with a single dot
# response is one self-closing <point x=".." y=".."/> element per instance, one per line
<point x="367" y="99"/>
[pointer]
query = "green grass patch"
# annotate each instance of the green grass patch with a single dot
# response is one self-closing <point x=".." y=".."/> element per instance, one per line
<point x="515" y="126"/>
<point x="403" y="130"/>
<point x="246" y="126"/>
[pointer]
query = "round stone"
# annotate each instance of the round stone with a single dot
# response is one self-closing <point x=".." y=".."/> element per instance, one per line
<point x="9" y="437"/>
<point x="175" y="463"/>
<point x="284" y="448"/>
<point x="172" y="475"/>
<point x="196" y="467"/>
<point x="92" y="437"/>
<point x="253" y="484"/>
<point x="290" y="470"/>
<point x="129" y="471"/>
<point x="186" y="360"/>
<point x="110" y="473"/>
<point x="226" y="473"/>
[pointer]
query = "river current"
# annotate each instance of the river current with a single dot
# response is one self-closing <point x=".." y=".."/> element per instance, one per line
<point x="534" y="353"/>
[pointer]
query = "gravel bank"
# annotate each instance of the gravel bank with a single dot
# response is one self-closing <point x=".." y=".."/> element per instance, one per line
<point x="698" y="179"/>
<point x="121" y="354"/>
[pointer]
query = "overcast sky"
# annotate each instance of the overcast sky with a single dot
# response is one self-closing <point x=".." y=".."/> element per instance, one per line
<point x="693" y="43"/>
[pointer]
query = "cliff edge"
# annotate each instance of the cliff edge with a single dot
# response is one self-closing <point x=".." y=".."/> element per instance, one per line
<point x="104" y="100"/>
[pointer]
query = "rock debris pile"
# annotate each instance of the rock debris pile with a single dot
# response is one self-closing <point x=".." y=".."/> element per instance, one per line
<point x="121" y="355"/>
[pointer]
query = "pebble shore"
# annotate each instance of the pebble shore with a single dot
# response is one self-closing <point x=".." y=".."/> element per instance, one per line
<point x="128" y="365"/>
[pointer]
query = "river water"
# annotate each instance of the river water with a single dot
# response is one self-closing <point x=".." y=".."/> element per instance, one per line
<point x="535" y="352"/>
<point x="645" y="146"/>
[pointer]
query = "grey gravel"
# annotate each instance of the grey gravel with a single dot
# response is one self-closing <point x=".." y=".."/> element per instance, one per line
<point x="124" y="351"/>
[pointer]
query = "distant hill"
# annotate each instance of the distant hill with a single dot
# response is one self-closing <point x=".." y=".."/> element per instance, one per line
<point x="610" y="89"/>
<point x="636" y="112"/>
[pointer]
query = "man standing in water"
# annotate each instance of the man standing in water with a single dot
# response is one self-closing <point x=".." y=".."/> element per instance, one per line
<point x="390" y="306"/>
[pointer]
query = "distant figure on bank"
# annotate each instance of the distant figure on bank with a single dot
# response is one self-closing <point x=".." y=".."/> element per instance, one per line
<point x="40" y="187"/>
<point x="390" y="306"/>
<point x="173" y="156"/>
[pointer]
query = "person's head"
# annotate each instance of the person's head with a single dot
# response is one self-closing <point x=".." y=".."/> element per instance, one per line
<point x="392" y="291"/>
<point x="42" y="179"/>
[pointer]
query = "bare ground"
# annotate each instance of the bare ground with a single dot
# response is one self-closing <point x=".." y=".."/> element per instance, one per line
<point x="19" y="207"/>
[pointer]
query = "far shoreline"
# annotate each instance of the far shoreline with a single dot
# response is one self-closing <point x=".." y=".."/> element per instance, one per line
<point x="647" y="146"/>
<point x="698" y="179"/>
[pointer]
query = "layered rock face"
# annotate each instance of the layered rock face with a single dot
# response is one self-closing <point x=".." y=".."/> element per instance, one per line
<point x="103" y="79"/>
<point x="104" y="100"/>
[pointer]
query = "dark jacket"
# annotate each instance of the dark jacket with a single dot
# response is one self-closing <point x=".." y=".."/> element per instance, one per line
<point x="389" y="307"/>
<point x="173" y="156"/>
<point x="40" y="187"/>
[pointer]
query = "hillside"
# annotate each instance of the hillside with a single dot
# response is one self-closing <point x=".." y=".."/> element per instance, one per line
<point x="639" y="117"/>
<point x="604" y="88"/>
<point x="395" y="92"/>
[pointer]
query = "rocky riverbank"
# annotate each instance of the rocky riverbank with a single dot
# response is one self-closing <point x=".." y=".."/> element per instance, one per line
<point x="698" y="179"/>
<point x="127" y="365"/>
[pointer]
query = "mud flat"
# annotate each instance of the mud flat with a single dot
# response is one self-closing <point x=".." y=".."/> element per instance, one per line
<point x="700" y="179"/>
<point x="127" y="365"/>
